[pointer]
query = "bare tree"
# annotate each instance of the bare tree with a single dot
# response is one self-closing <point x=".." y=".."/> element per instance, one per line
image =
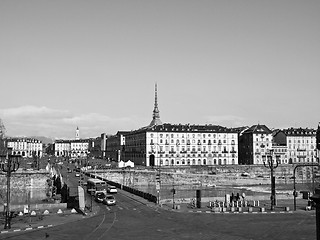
<point x="2" y="135"/>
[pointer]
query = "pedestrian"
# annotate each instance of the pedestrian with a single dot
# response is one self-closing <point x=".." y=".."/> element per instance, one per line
<point x="232" y="197"/>
<point x="243" y="195"/>
<point x="238" y="197"/>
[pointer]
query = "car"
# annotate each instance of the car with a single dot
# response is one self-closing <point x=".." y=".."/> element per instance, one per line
<point x="112" y="189"/>
<point x="77" y="174"/>
<point x="99" y="197"/>
<point x="109" y="200"/>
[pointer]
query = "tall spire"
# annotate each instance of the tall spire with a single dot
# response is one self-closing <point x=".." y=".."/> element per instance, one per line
<point x="77" y="133"/>
<point x="156" y="114"/>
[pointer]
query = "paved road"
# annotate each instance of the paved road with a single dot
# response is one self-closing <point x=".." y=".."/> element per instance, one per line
<point x="131" y="219"/>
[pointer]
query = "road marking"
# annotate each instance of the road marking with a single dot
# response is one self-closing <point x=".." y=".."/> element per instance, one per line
<point x="120" y="208"/>
<point x="108" y="208"/>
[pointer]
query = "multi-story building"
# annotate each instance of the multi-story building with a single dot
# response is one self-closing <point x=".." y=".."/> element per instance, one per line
<point x="26" y="147"/>
<point x="318" y="142"/>
<point x="115" y="146"/>
<point x="279" y="146"/>
<point x="301" y="145"/>
<point x="77" y="148"/>
<point x="176" y="145"/>
<point x="254" y="143"/>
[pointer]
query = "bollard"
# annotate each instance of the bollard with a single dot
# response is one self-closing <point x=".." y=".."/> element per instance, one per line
<point x="46" y="212"/>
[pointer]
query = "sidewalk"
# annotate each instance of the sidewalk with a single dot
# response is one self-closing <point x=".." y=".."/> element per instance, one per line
<point x="41" y="220"/>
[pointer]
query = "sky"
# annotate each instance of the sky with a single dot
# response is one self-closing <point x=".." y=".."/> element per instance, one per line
<point x="94" y="64"/>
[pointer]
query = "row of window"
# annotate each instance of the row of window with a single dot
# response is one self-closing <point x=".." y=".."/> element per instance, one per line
<point x="300" y="147"/>
<point x="193" y="149"/>
<point x="199" y="135"/>
<point x="168" y="162"/>
<point x="188" y="142"/>
<point x="199" y="155"/>
<point x="301" y="141"/>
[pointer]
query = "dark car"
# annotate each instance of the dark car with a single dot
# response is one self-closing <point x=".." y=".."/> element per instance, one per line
<point x="100" y="196"/>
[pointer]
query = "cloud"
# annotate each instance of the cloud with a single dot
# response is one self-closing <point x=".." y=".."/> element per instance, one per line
<point x="57" y="123"/>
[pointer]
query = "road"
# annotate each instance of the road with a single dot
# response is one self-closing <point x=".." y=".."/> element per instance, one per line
<point x="130" y="219"/>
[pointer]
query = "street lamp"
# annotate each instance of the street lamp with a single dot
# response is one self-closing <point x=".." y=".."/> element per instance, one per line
<point x="9" y="165"/>
<point x="269" y="162"/>
<point x="316" y="198"/>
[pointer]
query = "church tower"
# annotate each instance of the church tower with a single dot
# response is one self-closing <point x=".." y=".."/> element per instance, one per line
<point x="156" y="114"/>
<point x="77" y="133"/>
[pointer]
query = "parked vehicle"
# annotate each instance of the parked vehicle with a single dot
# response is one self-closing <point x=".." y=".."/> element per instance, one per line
<point x="112" y="189"/>
<point x="109" y="200"/>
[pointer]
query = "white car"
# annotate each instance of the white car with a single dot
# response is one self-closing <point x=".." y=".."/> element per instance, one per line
<point x="77" y="174"/>
<point x="109" y="200"/>
<point x="112" y="189"/>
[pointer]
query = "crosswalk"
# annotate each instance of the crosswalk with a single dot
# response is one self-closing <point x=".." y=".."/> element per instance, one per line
<point x="117" y="207"/>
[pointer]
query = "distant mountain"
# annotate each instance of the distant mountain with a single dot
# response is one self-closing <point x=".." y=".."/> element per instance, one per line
<point x="44" y="140"/>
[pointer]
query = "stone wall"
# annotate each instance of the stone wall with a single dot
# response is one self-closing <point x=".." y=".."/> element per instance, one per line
<point x="23" y="186"/>
<point x="209" y="176"/>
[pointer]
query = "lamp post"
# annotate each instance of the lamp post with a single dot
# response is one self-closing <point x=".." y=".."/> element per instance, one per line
<point x="269" y="162"/>
<point x="316" y="198"/>
<point x="11" y="164"/>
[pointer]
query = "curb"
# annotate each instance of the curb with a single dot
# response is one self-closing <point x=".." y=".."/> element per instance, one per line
<point x="59" y="212"/>
<point x="26" y="229"/>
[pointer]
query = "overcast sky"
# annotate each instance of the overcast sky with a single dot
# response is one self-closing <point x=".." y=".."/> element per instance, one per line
<point x="94" y="64"/>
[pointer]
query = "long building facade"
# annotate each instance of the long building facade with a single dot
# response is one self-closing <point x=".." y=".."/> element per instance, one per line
<point x="179" y="145"/>
<point x="26" y="147"/>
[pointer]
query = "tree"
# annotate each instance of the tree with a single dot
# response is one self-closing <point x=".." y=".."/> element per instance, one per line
<point x="318" y="137"/>
<point x="2" y="138"/>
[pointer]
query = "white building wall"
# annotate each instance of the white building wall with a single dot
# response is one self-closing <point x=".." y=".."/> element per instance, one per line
<point x="194" y="148"/>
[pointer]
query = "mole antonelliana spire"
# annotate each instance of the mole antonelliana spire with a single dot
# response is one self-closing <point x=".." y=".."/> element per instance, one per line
<point x="156" y="114"/>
